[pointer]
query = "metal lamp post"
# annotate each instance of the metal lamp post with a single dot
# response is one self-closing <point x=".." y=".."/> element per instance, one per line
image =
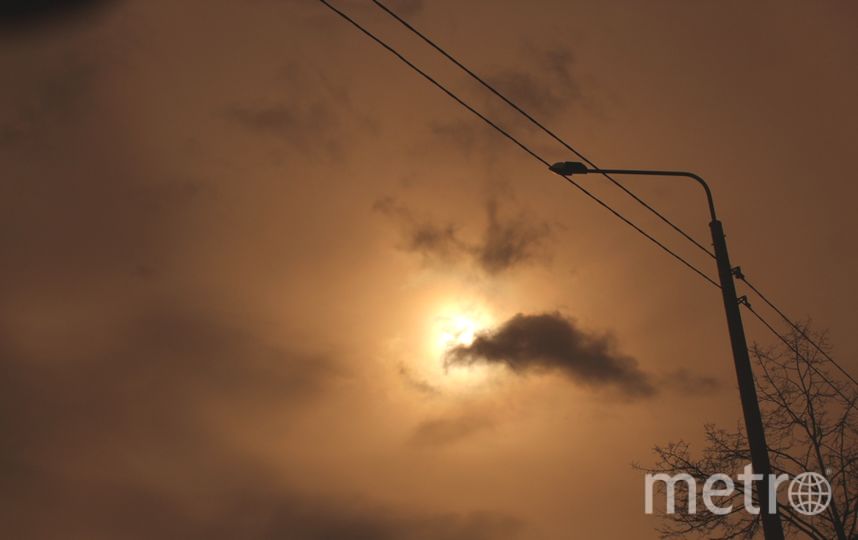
<point x="772" y="527"/>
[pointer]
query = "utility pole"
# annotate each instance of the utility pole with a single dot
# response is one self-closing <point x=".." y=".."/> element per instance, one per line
<point x="772" y="528"/>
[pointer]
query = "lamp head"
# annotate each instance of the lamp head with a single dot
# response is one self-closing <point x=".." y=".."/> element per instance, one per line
<point x="568" y="168"/>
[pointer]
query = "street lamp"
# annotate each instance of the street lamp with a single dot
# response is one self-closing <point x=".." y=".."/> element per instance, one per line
<point x="750" y="407"/>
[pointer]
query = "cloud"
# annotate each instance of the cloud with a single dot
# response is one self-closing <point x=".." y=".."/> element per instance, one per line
<point x="126" y="440"/>
<point x="127" y="417"/>
<point x="405" y="8"/>
<point x="273" y="514"/>
<point x="433" y="241"/>
<point x="106" y="433"/>
<point x="158" y="372"/>
<point x="27" y="14"/>
<point x="416" y="383"/>
<point x="548" y="86"/>
<point x="689" y="383"/>
<point x="303" y="126"/>
<point x="330" y="520"/>
<point x="443" y="431"/>
<point x="506" y="242"/>
<point x="551" y="342"/>
<point x="307" y="107"/>
<point x="58" y="96"/>
<point x="458" y="133"/>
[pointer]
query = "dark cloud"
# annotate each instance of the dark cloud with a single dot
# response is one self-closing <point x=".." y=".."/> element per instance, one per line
<point x="233" y="499"/>
<point x="324" y="520"/>
<point x="309" y="107"/>
<point x="405" y="8"/>
<point x="551" y="342"/>
<point x="104" y="423"/>
<point x="389" y="526"/>
<point x="125" y="441"/>
<point x="546" y="87"/>
<point x="272" y="514"/>
<point x="52" y="98"/>
<point x="28" y="14"/>
<point x="417" y="383"/>
<point x="460" y="135"/>
<point x="79" y="204"/>
<point x="442" y="431"/>
<point x="301" y="125"/>
<point x="506" y="242"/>
<point x="433" y="241"/>
<point x="155" y="376"/>
<point x="91" y="228"/>
<point x="688" y="383"/>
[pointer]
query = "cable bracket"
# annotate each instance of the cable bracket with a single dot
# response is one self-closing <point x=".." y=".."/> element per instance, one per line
<point x="743" y="300"/>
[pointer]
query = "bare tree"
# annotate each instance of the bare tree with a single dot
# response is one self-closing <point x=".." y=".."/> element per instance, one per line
<point x="811" y="425"/>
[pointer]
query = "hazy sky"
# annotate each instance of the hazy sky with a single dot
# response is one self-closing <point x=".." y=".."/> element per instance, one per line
<point x="260" y="280"/>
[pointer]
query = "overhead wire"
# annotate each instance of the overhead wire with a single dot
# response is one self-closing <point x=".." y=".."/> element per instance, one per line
<point x="798" y="329"/>
<point x="491" y="88"/>
<point x="517" y="142"/>
<point x="795" y="351"/>
<point x="539" y="124"/>
<point x="586" y="192"/>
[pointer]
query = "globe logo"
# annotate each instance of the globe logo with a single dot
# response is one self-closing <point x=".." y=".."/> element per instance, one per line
<point x="809" y="493"/>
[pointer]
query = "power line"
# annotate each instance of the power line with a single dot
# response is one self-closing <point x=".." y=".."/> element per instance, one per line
<point x="518" y="143"/>
<point x="574" y="183"/>
<point x="538" y="124"/>
<point x="581" y="156"/>
<point x="798" y="329"/>
<point x="795" y="350"/>
<point x="536" y="156"/>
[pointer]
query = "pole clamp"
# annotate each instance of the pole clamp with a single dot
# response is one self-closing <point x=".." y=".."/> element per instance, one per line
<point x="743" y="300"/>
<point x="737" y="273"/>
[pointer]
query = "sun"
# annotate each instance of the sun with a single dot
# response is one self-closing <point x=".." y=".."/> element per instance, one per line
<point x="456" y="330"/>
<point x="454" y="324"/>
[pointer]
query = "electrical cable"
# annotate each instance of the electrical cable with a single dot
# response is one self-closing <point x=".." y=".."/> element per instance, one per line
<point x="539" y="125"/>
<point x="581" y="156"/>
<point x="798" y="329"/>
<point x="518" y="143"/>
<point x="795" y="350"/>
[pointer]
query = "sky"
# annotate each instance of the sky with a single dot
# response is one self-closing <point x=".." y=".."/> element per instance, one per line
<point x="261" y="280"/>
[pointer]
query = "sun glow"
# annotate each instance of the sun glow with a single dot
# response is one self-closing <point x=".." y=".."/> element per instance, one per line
<point x="452" y="326"/>
<point x="456" y="330"/>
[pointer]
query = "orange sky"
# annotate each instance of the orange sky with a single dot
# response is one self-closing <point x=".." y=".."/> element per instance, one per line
<point x="239" y="236"/>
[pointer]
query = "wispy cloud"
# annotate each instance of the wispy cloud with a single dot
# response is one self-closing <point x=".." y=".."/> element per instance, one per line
<point x="447" y="430"/>
<point x="690" y="384"/>
<point x="302" y="125"/>
<point x="506" y="242"/>
<point x="547" y="86"/>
